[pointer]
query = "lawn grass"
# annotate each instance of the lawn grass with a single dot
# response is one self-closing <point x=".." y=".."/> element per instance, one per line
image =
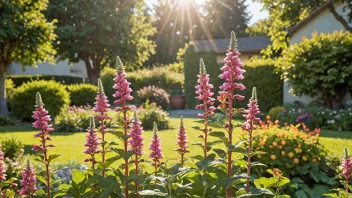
<point x="70" y="145"/>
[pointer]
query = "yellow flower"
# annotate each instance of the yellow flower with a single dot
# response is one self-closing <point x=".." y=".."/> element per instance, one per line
<point x="268" y="117"/>
<point x="283" y="153"/>
<point x="274" y="143"/>
<point x="270" y="146"/>
<point x="314" y="160"/>
<point x="273" y="157"/>
<point x="290" y="154"/>
<point x="296" y="160"/>
<point x="283" y="142"/>
<point x="280" y="147"/>
<point x="298" y="150"/>
<point x="304" y="158"/>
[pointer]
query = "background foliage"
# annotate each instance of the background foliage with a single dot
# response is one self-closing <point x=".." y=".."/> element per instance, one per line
<point x="82" y="94"/>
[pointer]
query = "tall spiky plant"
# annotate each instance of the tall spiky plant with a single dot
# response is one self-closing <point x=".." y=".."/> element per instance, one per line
<point x="92" y="143"/>
<point x="249" y="126"/>
<point x="182" y="141"/>
<point x="205" y="96"/>
<point x="346" y="167"/>
<point x="123" y="95"/>
<point x="232" y="72"/>
<point x="155" y="147"/>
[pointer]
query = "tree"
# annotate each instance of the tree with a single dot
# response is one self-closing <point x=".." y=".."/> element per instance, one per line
<point x="97" y="31"/>
<point x="284" y="14"/>
<point x="260" y="28"/>
<point x="225" y="16"/>
<point x="177" y="23"/>
<point x="320" y="66"/>
<point x="25" y="37"/>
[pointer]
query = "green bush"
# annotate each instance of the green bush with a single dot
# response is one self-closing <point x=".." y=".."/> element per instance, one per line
<point x="153" y="95"/>
<point x="149" y="113"/>
<point x="6" y="121"/>
<point x="82" y="94"/>
<point x="320" y="67"/>
<point x="159" y="77"/>
<point x="54" y="96"/>
<point x="276" y="112"/>
<point x="191" y="70"/>
<point x="21" y="79"/>
<point x="10" y="88"/>
<point x="11" y="147"/>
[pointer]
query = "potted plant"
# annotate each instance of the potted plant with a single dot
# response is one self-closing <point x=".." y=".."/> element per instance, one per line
<point x="177" y="99"/>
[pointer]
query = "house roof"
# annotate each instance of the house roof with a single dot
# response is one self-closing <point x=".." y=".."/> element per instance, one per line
<point x="314" y="14"/>
<point x="245" y="44"/>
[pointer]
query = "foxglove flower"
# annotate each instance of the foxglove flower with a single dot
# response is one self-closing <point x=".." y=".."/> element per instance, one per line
<point x="231" y="72"/>
<point x="122" y="86"/>
<point x="28" y="181"/>
<point x="204" y="94"/>
<point x="155" y="147"/>
<point x="346" y="165"/>
<point x="92" y="143"/>
<point x="251" y="112"/>
<point x="136" y="141"/>
<point x="101" y="104"/>
<point x="42" y="120"/>
<point x="2" y="167"/>
<point x="182" y="139"/>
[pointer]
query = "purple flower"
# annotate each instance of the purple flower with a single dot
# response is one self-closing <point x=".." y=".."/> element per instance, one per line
<point x="182" y="140"/>
<point x="299" y="111"/>
<point x="2" y="167"/>
<point x="102" y="103"/>
<point x="284" y="111"/>
<point x="42" y="120"/>
<point x="232" y="72"/>
<point x="122" y="86"/>
<point x="346" y="165"/>
<point x="28" y="181"/>
<point x="92" y="143"/>
<point x="251" y="112"/>
<point x="155" y="146"/>
<point x="204" y="93"/>
<point x="136" y="140"/>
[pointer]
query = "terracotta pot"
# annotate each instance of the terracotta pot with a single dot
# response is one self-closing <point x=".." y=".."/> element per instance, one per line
<point x="177" y="101"/>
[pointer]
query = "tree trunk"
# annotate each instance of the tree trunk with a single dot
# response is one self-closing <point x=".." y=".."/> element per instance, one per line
<point x="3" y="102"/>
<point x="93" y="70"/>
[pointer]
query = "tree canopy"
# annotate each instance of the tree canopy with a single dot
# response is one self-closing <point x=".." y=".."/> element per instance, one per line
<point x="25" y="37"/>
<point x="97" y="31"/>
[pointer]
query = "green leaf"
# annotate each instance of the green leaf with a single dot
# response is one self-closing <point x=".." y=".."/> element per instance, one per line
<point x="284" y="181"/>
<point x="300" y="194"/>
<point x="78" y="177"/>
<point x="265" y="182"/>
<point x="257" y="192"/>
<point x="52" y="157"/>
<point x="197" y="128"/>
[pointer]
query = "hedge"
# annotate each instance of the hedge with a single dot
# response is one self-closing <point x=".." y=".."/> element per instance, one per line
<point x="82" y="94"/>
<point x="54" y="96"/>
<point x="159" y="77"/>
<point x="191" y="70"/>
<point x="68" y="80"/>
<point x="259" y="73"/>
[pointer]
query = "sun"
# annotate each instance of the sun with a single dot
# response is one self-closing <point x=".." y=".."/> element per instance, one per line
<point x="198" y="2"/>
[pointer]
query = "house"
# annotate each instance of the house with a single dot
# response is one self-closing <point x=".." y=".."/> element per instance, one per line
<point x="247" y="46"/>
<point x="322" y="20"/>
<point x="61" y="68"/>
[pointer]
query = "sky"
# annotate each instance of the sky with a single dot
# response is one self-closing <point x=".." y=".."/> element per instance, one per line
<point x="253" y="8"/>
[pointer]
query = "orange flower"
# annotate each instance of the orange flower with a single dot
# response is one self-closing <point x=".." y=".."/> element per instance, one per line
<point x="283" y="153"/>
<point x="283" y="142"/>
<point x="274" y="143"/>
<point x="304" y="158"/>
<point x="268" y="117"/>
<point x="296" y="161"/>
<point x="273" y="157"/>
<point x="314" y="160"/>
<point x="277" y="173"/>
<point x="290" y="154"/>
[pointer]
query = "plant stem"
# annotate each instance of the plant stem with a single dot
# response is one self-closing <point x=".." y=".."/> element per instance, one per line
<point x="102" y="130"/>
<point x="46" y="162"/>
<point x="156" y="168"/>
<point x="205" y="126"/>
<point x="125" y="144"/>
<point x="136" y="182"/>
<point x="249" y="156"/>
<point x="182" y="159"/>
<point x="346" y="187"/>
<point x="229" y="153"/>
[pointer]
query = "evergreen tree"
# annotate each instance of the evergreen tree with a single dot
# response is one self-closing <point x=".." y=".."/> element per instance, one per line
<point x="224" y="16"/>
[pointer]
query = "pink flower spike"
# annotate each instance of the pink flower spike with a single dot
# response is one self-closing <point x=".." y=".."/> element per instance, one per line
<point x="182" y="139"/>
<point x="101" y="104"/>
<point x="92" y="142"/>
<point x="346" y="165"/>
<point x="155" y="146"/>
<point x="251" y="112"/>
<point x="136" y="140"/>
<point x="2" y="167"/>
<point x="122" y="86"/>
<point x="28" y="181"/>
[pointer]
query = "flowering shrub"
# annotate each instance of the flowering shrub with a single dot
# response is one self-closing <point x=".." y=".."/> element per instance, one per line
<point x="72" y="119"/>
<point x="82" y="94"/>
<point x="298" y="154"/>
<point x="150" y="113"/>
<point x="315" y="117"/>
<point x="153" y="95"/>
